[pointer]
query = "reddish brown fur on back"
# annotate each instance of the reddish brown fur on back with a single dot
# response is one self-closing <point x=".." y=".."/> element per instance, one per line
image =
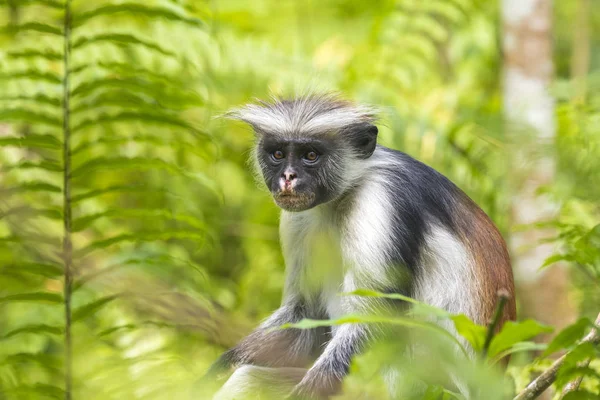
<point x="492" y="262"/>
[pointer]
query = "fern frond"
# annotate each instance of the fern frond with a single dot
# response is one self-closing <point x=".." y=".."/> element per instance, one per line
<point x="160" y="118"/>
<point x="38" y="98"/>
<point x="59" y="5"/>
<point x="35" y="329"/>
<point x="120" y="163"/>
<point x="139" y="237"/>
<point x="47" y="270"/>
<point x="120" y="39"/>
<point x="90" y="308"/>
<point x="132" y="188"/>
<point x="29" y="116"/>
<point x="42" y="297"/>
<point x="33" y="27"/>
<point x="46" y="54"/>
<point x="46" y="165"/>
<point x="32" y="74"/>
<point x="27" y="211"/>
<point x="154" y="214"/>
<point x="32" y="141"/>
<point x="31" y="186"/>
<point x="138" y="10"/>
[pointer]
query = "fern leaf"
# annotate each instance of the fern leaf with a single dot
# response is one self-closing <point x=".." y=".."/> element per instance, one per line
<point x="159" y="93"/>
<point x="129" y="327"/>
<point x="117" y="98"/>
<point x="48" y="3"/>
<point x="137" y="9"/>
<point x="31" y="186"/>
<point x="33" y="27"/>
<point x="34" y="328"/>
<point x="50" y="166"/>
<point x="27" y="211"/>
<point x="120" y="163"/>
<point x="136" y="116"/>
<point x="90" y="308"/>
<point x="39" y="390"/>
<point x="26" y="54"/>
<point x="85" y="221"/>
<point x="47" y="270"/>
<point x="141" y="237"/>
<point x="32" y="141"/>
<point x="39" y="98"/>
<point x="155" y="140"/>
<point x="121" y="39"/>
<point x="158" y="260"/>
<point x="133" y="188"/>
<point x="42" y="297"/>
<point x="32" y="74"/>
<point x="29" y="116"/>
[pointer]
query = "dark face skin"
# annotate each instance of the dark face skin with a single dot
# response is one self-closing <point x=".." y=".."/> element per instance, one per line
<point x="295" y="171"/>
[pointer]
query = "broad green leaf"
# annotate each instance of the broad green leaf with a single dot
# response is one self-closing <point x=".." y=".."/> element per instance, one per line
<point x="519" y="348"/>
<point x="120" y="39"/>
<point x="35" y="329"/>
<point x="556" y="258"/>
<point x="91" y="308"/>
<point x="137" y="9"/>
<point x="31" y="186"/>
<point x="42" y="297"/>
<point x="32" y="141"/>
<point x="29" y="116"/>
<point x="32" y="74"/>
<point x="141" y="237"/>
<point x="515" y="332"/>
<point x="473" y="333"/>
<point x="46" y="54"/>
<point x="565" y="376"/>
<point x="580" y="395"/>
<point x="48" y="270"/>
<point x="155" y="214"/>
<point x="33" y="27"/>
<point x="568" y="336"/>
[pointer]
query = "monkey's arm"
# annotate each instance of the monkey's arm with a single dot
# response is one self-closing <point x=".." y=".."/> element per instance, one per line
<point x="325" y="376"/>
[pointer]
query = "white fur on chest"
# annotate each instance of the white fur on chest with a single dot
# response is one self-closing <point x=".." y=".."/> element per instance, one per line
<point x="327" y="254"/>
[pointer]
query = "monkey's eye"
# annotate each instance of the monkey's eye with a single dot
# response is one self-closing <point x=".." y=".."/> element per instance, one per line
<point x="311" y="156"/>
<point x="277" y="155"/>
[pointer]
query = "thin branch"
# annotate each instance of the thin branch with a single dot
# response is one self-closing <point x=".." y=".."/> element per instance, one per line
<point x="543" y="382"/>
<point x="503" y="297"/>
<point x="67" y="243"/>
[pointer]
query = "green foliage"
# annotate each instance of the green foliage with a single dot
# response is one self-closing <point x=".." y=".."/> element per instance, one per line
<point x="175" y="254"/>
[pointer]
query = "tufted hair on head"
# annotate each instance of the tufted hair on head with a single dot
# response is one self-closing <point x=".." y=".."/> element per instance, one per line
<point x="305" y="115"/>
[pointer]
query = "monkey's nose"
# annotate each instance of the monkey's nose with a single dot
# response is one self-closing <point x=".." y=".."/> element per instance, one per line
<point x="289" y="176"/>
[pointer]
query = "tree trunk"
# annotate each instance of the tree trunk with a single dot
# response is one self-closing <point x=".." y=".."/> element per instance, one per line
<point x="529" y="113"/>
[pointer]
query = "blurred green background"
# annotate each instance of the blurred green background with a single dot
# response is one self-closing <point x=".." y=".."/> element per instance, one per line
<point x="175" y="246"/>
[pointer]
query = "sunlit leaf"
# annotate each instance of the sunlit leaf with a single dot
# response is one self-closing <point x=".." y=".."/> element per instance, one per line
<point x="568" y="336"/>
<point x="515" y="332"/>
<point x="473" y="333"/>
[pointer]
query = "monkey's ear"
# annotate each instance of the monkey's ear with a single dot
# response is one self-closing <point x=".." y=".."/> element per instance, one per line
<point x="364" y="139"/>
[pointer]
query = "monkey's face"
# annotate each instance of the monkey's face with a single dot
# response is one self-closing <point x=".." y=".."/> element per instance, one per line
<point x="300" y="173"/>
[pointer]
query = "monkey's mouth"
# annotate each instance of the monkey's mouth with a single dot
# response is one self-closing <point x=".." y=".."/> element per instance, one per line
<point x="294" y="201"/>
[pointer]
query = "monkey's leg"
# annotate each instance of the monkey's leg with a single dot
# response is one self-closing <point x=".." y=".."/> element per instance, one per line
<point x="252" y="382"/>
<point x="272" y="347"/>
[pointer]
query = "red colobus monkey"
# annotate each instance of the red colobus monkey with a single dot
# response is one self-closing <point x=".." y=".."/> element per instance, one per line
<point x="388" y="215"/>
